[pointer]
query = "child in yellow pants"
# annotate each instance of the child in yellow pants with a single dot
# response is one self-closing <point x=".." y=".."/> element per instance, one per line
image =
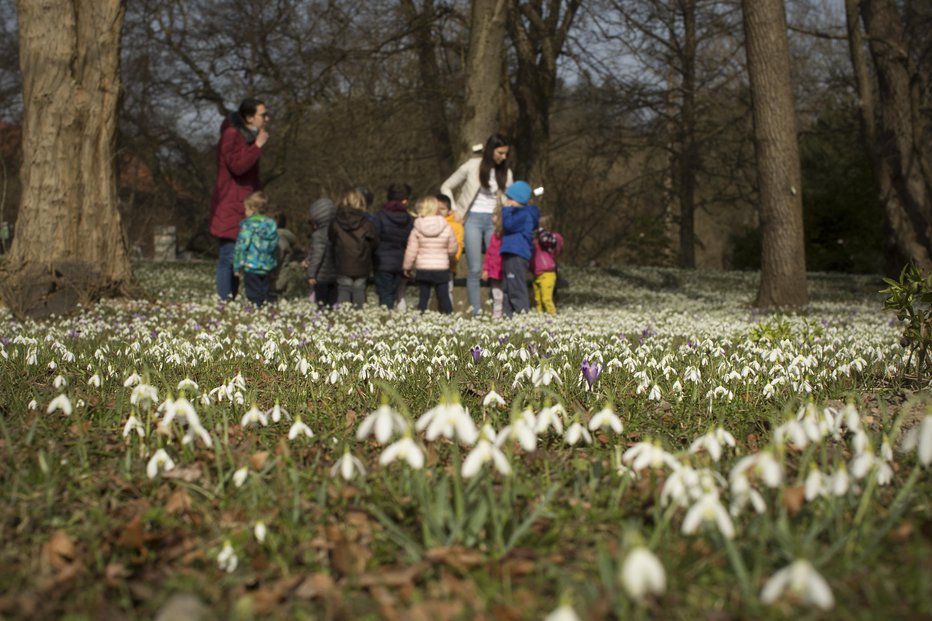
<point x="547" y="245"/>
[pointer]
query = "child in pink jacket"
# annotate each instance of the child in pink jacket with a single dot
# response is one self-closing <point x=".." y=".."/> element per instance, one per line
<point x="492" y="265"/>
<point x="431" y="245"/>
<point x="547" y="245"/>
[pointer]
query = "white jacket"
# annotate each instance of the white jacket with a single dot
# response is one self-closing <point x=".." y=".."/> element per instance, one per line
<point x="466" y="178"/>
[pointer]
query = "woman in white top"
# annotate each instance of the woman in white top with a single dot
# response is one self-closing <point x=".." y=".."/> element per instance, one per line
<point x="479" y="182"/>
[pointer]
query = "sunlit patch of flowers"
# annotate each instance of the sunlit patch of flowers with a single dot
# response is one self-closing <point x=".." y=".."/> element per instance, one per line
<point x="669" y="388"/>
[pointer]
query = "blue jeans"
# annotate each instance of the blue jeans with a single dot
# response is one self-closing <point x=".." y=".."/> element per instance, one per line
<point x="477" y="233"/>
<point x="386" y="286"/>
<point x="227" y="282"/>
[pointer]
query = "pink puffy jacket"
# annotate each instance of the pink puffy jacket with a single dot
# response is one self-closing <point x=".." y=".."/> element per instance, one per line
<point x="546" y="260"/>
<point x="430" y="244"/>
<point x="492" y="264"/>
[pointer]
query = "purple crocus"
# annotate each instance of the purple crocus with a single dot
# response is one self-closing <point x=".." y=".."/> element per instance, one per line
<point x="591" y="371"/>
<point x="476" y="352"/>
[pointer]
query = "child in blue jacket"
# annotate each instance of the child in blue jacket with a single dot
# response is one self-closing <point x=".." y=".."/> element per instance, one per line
<point x="519" y="221"/>
<point x="255" y="256"/>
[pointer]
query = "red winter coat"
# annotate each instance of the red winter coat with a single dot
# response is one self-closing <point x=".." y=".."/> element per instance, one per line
<point x="237" y="177"/>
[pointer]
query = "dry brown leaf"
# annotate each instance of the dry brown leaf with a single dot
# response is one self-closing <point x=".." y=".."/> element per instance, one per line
<point x="259" y="459"/>
<point x="752" y="441"/>
<point x="178" y="502"/>
<point x="902" y="533"/>
<point x="457" y="557"/>
<point x="435" y="611"/>
<point x="132" y="536"/>
<point x="391" y="576"/>
<point x="388" y="605"/>
<point x="60" y="552"/>
<point x="115" y="573"/>
<point x="316" y="585"/>
<point x="794" y="498"/>
<point x="188" y="474"/>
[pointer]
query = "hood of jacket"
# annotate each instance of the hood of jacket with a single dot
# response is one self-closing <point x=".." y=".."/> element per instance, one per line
<point x="321" y="212"/>
<point x="431" y="226"/>
<point x="398" y="218"/>
<point x="349" y="219"/>
<point x="395" y="207"/>
<point x="235" y="121"/>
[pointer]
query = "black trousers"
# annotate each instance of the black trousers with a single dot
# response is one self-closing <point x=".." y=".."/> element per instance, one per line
<point x="257" y="287"/>
<point x="439" y="281"/>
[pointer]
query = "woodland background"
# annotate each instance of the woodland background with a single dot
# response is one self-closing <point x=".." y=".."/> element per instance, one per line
<point x="623" y="110"/>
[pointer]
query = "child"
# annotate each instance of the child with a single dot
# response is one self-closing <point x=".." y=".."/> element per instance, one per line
<point x="519" y="220"/>
<point x="547" y="245"/>
<point x="430" y="248"/>
<point x="354" y="240"/>
<point x="254" y="256"/>
<point x="492" y="264"/>
<point x="446" y="211"/>
<point x="319" y="262"/>
<point x="393" y="225"/>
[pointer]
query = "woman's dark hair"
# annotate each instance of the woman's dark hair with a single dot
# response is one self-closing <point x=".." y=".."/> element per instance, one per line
<point x="399" y="191"/>
<point x="249" y="106"/>
<point x="488" y="162"/>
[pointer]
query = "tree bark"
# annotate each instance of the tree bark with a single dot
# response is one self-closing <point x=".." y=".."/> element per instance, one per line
<point x="69" y="246"/>
<point x="689" y="155"/>
<point x="421" y="23"/>
<point x="484" y="70"/>
<point x="894" y="136"/>
<point x="783" y="260"/>
<point x="538" y="37"/>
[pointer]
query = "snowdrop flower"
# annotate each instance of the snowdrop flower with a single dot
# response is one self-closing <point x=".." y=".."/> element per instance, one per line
<point x="522" y="430"/>
<point x="575" y="432"/>
<point x="254" y="415"/>
<point x="133" y="424"/>
<point x="33" y="405"/>
<point x="239" y="477"/>
<point x="839" y="482"/>
<point x="762" y="465"/>
<point x="606" y="417"/>
<point x="815" y="485"/>
<point x="654" y="393"/>
<point x="802" y="581"/>
<point x="299" y="428"/>
<point x="227" y="559"/>
<point x="132" y="380"/>
<point x="94" y="380"/>
<point x="740" y="500"/>
<point x="864" y="463"/>
<point x="649" y="454"/>
<point x="484" y="452"/>
<point x="449" y="420"/>
<point x="642" y="574"/>
<point x="886" y="451"/>
<point x="260" y="531"/>
<point x="712" y="442"/>
<point x="61" y="402"/>
<point x="405" y="448"/>
<point x="494" y="399"/>
<point x="348" y="466"/>
<point x="159" y="461"/>
<point x="920" y="437"/>
<point x="188" y="384"/>
<point x="682" y="487"/>
<point x="276" y="412"/>
<point x="708" y="509"/>
<point x="793" y="430"/>
<point x="382" y="423"/>
<point x="550" y="417"/>
<point x="564" y="613"/>
<point x="144" y="395"/>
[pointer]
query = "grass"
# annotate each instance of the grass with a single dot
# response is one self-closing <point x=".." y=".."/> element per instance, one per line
<point x="89" y="535"/>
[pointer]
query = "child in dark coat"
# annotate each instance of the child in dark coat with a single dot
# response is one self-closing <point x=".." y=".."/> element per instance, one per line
<point x="319" y="262"/>
<point x="354" y="241"/>
<point x="393" y="225"/>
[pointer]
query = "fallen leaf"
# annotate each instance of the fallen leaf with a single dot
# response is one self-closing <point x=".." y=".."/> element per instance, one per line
<point x="178" y="502"/>
<point x="259" y="459"/>
<point x="188" y="474"/>
<point x="115" y="573"/>
<point x="388" y="605"/>
<point x="457" y="557"/>
<point x="794" y="498"/>
<point x="752" y="442"/>
<point x="435" y="611"/>
<point x="314" y="586"/>
<point x="349" y="421"/>
<point x="902" y="533"/>
<point x="60" y="552"/>
<point x="391" y="576"/>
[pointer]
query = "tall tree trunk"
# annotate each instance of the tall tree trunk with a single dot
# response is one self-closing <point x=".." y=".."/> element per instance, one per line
<point x="894" y="137"/>
<point x="783" y="259"/>
<point x="903" y="242"/>
<point x="538" y="36"/>
<point x="689" y="155"/>
<point x="421" y="23"/>
<point x="69" y="246"/>
<point x="484" y="70"/>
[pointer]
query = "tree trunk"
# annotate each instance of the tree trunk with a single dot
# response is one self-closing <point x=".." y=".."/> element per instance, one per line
<point x="69" y="246"/>
<point x="894" y="137"/>
<point x="484" y="70"/>
<point x="421" y="24"/>
<point x="783" y="261"/>
<point x="538" y="37"/>
<point x="689" y="156"/>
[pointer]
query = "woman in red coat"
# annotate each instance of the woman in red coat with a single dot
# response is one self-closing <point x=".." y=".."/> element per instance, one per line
<point x="242" y="136"/>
